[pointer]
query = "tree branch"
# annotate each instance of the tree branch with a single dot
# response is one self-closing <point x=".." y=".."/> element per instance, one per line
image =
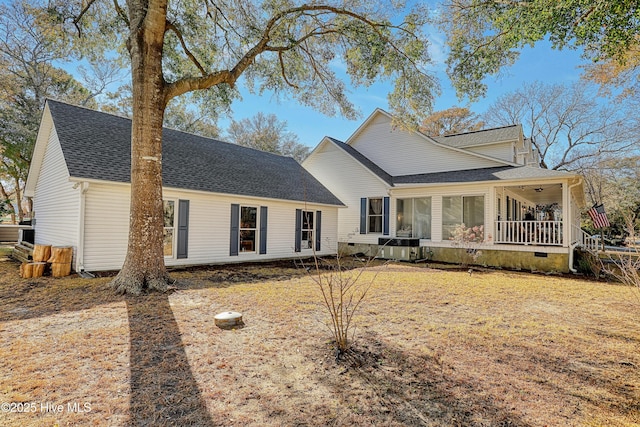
<point x="78" y="18"/>
<point x="283" y="72"/>
<point x="206" y="81"/>
<point x="191" y="56"/>
<point x="121" y="12"/>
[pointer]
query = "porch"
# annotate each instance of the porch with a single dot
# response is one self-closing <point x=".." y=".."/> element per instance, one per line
<point x="541" y="214"/>
<point x="545" y="215"/>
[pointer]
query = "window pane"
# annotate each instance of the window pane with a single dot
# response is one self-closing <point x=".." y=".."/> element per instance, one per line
<point x="451" y="215"/>
<point x="473" y="211"/>
<point x="248" y="217"/>
<point x="375" y="224"/>
<point x="422" y="218"/>
<point x="168" y="242"/>
<point x="247" y="240"/>
<point x="404" y="224"/>
<point x="307" y="220"/>
<point x="375" y="206"/>
<point x="307" y="239"/>
<point x="168" y="213"/>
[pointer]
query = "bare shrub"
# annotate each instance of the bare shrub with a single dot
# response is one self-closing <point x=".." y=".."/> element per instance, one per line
<point x="591" y="264"/>
<point x="625" y="267"/>
<point x="344" y="289"/>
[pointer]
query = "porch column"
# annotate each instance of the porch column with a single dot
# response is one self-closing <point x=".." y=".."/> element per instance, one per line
<point x="492" y="209"/>
<point x="566" y="215"/>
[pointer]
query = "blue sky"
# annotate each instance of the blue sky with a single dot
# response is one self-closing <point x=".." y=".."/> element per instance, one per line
<point x="539" y="63"/>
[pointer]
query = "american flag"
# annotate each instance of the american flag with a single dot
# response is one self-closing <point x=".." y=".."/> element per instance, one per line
<point x="599" y="216"/>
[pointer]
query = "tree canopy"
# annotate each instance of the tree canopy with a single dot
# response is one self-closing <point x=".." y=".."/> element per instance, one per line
<point x="28" y="50"/>
<point x="451" y="121"/>
<point x="486" y="35"/>
<point x="291" y="50"/>
<point x="267" y="133"/>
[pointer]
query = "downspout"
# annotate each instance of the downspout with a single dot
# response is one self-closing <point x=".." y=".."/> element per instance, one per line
<point x="84" y="187"/>
<point x="572" y="246"/>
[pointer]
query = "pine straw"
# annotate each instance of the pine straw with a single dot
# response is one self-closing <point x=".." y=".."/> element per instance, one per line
<point x="433" y="348"/>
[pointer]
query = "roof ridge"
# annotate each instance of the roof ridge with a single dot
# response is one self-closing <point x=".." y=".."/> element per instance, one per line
<point x="120" y="116"/>
<point x="477" y="131"/>
<point x="84" y="107"/>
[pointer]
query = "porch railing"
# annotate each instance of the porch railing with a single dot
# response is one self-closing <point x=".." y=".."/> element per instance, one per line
<point x="529" y="232"/>
<point x="587" y="242"/>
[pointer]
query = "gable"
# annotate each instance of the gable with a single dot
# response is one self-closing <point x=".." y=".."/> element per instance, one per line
<point x="403" y="152"/>
<point x="97" y="146"/>
<point x="345" y="168"/>
<point x="46" y="135"/>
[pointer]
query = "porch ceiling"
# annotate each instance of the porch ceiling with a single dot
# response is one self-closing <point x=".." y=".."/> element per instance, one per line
<point x="540" y="194"/>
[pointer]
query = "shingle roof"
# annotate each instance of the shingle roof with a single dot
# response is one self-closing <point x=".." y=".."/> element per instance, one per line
<point x="480" y="175"/>
<point x="480" y="137"/>
<point x="460" y="176"/>
<point x="96" y="146"/>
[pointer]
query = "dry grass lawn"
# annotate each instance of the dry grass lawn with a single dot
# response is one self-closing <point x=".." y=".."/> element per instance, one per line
<point x="432" y="348"/>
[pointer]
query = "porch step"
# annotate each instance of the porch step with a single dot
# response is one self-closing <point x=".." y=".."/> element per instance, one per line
<point x="23" y="252"/>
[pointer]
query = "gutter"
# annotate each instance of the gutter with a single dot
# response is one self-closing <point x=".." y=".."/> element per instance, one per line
<point x="84" y="187"/>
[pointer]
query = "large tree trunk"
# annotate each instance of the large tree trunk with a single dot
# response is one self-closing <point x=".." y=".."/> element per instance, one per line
<point x="144" y="267"/>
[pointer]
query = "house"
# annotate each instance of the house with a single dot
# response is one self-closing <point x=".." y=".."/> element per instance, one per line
<point x="408" y="196"/>
<point x="223" y="203"/>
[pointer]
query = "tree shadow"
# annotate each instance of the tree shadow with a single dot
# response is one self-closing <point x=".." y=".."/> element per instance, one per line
<point x="164" y="391"/>
<point x="410" y="389"/>
<point x="36" y="298"/>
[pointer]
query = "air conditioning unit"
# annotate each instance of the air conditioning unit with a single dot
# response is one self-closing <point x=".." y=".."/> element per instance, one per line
<point x="401" y="253"/>
<point x="402" y="249"/>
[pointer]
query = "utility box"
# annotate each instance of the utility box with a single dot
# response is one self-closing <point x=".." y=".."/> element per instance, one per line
<point x="402" y="253"/>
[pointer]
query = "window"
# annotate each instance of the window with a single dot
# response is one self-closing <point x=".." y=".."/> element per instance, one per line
<point x="245" y="235"/>
<point x="374" y="215"/>
<point x="248" y="225"/>
<point x="308" y="233"/>
<point x="414" y="218"/>
<point x="456" y="210"/>
<point x="169" y="227"/>
<point x="307" y="230"/>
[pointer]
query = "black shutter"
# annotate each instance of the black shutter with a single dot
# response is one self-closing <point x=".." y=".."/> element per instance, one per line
<point x="298" y="243"/>
<point x="363" y="215"/>
<point x="385" y="216"/>
<point x="263" y="230"/>
<point x="318" y="229"/>
<point x="183" y="229"/>
<point x="235" y="230"/>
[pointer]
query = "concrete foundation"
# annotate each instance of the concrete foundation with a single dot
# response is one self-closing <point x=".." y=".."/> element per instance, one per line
<point x="531" y="261"/>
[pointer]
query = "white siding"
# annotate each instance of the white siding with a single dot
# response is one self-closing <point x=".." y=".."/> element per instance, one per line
<point x="400" y="152"/>
<point x="106" y="226"/>
<point x="504" y="151"/>
<point x="349" y="181"/>
<point x="106" y="229"/>
<point x="56" y="203"/>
